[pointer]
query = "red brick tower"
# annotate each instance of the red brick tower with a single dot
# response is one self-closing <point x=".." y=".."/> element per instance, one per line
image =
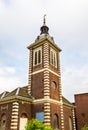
<point x="44" y="83"/>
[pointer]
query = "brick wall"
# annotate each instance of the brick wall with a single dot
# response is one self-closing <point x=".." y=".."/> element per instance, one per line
<point x="67" y="115"/>
<point x="81" y="111"/>
<point x="37" y="85"/>
<point x="7" y="110"/>
<point x="54" y="93"/>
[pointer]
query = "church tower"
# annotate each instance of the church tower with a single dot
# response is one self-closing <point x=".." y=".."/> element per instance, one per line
<point x="44" y="81"/>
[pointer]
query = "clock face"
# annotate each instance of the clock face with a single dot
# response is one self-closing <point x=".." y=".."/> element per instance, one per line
<point x="54" y="85"/>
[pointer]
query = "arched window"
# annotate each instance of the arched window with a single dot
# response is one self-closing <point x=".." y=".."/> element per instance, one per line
<point x="54" y="85"/>
<point x="53" y="57"/>
<point x="23" y="121"/>
<point x="37" y="56"/>
<point x="3" y="121"/>
<point x="56" y="122"/>
<point x="70" y="123"/>
<point x="24" y="115"/>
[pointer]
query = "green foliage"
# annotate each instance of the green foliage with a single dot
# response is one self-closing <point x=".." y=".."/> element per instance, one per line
<point x="36" y="125"/>
<point x="85" y="127"/>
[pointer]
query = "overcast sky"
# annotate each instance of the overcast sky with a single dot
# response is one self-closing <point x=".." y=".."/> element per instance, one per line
<point x="20" y="22"/>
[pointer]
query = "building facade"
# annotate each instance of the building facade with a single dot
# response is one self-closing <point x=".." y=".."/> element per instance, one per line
<point x="42" y="97"/>
<point x="81" y="110"/>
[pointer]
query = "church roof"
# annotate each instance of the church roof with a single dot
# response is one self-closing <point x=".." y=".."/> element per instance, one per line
<point x="2" y="95"/>
<point x="19" y="93"/>
<point x="40" y="39"/>
<point x="22" y="93"/>
<point x="66" y="102"/>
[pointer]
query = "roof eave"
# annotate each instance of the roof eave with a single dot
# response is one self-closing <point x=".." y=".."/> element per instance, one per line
<point x="41" y="40"/>
<point x="12" y="98"/>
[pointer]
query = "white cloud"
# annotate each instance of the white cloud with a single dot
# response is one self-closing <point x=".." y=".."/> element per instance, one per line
<point x="6" y="70"/>
<point x="20" y="21"/>
<point x="74" y="81"/>
<point x="8" y="79"/>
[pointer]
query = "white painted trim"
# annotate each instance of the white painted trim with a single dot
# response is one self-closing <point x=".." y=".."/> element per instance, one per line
<point x="46" y="88"/>
<point x="15" y="103"/>
<point x="15" y="120"/>
<point x="46" y="103"/>
<point x="14" y="117"/>
<point x="14" y="123"/>
<point x="15" y="107"/>
<point x="46" y="79"/>
<point x="46" y="110"/>
<point x="46" y="100"/>
<point x="45" y="69"/>
<point x="36" y="50"/>
<point x="17" y="92"/>
<point x="47" y="117"/>
<point x="46" y="75"/>
<point x="47" y="123"/>
<point x="47" y="107"/>
<point x="46" y="94"/>
<point x="47" y="120"/>
<point x="3" y="94"/>
<point x="54" y="54"/>
<point x="13" y="127"/>
<point x="46" y="91"/>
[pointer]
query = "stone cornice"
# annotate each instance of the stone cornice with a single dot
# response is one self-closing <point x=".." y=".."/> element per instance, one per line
<point x="38" y="71"/>
<point x="43" y="100"/>
<point x="68" y="105"/>
<point x="35" y="101"/>
<point x="41" y="42"/>
<point x="15" y="98"/>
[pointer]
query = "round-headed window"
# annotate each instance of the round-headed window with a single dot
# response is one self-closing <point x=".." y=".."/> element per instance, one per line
<point x="56" y="122"/>
<point x="54" y="85"/>
<point x="3" y="121"/>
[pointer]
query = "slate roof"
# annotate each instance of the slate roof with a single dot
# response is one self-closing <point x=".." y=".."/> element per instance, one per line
<point x="2" y="95"/>
<point x="41" y="40"/>
<point x="19" y="93"/>
<point x="66" y="102"/>
<point x="22" y="92"/>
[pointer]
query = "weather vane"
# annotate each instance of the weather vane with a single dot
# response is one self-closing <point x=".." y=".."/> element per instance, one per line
<point x="44" y="19"/>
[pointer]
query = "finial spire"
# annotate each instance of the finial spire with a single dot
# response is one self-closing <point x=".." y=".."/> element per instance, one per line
<point x="44" y="29"/>
<point x="44" y="19"/>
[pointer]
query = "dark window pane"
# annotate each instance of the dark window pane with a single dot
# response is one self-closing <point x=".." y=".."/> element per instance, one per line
<point x="51" y="57"/>
<point x="35" y="58"/>
<point x="55" y="121"/>
<point x="39" y="56"/>
<point x="54" y="60"/>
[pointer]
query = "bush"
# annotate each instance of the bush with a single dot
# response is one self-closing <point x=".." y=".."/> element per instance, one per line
<point x="36" y="125"/>
<point x="85" y="127"/>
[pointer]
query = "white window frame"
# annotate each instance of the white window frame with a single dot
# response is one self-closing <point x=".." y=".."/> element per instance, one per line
<point x="37" y="51"/>
<point x="53" y="57"/>
<point x="70" y="123"/>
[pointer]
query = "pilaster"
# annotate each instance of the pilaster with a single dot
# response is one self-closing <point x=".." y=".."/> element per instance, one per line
<point x="46" y="72"/>
<point x="46" y="85"/>
<point x="61" y="100"/>
<point x="29" y="77"/>
<point x="74" y="125"/>
<point x="47" y="113"/>
<point x="14" y="117"/>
